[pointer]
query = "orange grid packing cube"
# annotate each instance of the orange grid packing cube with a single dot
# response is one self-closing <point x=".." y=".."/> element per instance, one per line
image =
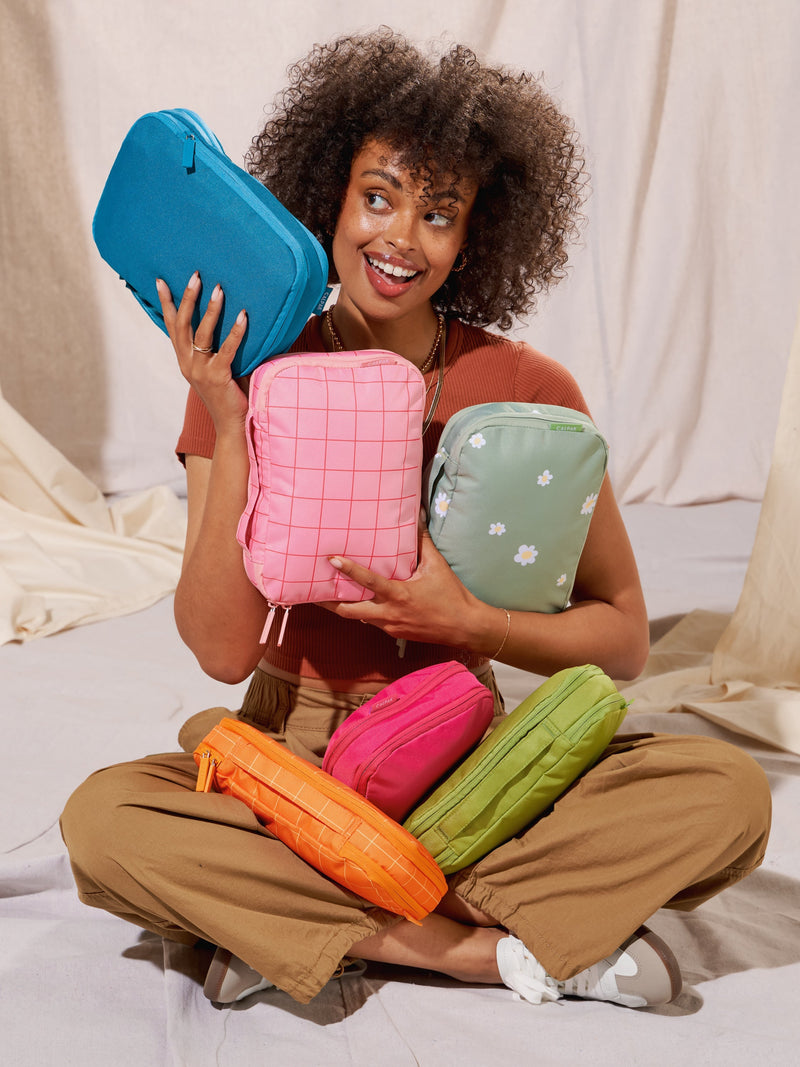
<point x="328" y="824"/>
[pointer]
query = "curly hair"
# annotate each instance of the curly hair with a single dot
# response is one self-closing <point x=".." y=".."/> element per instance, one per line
<point x="450" y="115"/>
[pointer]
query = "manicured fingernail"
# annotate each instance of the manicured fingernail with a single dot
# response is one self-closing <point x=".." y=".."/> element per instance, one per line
<point x="159" y="284"/>
<point x="194" y="281"/>
<point x="217" y="294"/>
<point x="240" y="318"/>
<point x="335" y="562"/>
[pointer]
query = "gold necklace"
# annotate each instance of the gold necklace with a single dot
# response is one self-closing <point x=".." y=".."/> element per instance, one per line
<point x="436" y="351"/>
<point x="338" y="344"/>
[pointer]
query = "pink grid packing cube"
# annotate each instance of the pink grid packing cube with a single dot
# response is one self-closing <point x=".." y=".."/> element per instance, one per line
<point x="335" y="444"/>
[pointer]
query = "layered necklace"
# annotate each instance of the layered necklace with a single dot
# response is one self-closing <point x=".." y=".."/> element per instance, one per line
<point x="434" y="358"/>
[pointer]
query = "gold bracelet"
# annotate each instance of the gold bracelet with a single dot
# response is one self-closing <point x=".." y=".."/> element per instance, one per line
<point x="505" y="638"/>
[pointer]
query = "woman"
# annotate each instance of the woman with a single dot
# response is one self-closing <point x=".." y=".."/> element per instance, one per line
<point x="445" y="193"/>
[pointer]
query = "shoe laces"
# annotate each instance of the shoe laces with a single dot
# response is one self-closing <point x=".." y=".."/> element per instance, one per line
<point x="522" y="972"/>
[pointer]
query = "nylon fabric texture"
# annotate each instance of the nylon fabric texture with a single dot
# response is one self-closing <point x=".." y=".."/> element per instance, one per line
<point x="521" y="768"/>
<point x="323" y="821"/>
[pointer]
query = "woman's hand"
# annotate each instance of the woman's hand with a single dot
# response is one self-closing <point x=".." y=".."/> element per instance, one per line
<point x="208" y="372"/>
<point x="605" y="624"/>
<point x="431" y="606"/>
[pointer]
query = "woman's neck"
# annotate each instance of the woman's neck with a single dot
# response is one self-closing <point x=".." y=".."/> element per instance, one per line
<point x="411" y="336"/>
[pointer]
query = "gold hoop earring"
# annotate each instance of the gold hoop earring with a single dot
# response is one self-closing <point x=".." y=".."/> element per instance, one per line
<point x="462" y="264"/>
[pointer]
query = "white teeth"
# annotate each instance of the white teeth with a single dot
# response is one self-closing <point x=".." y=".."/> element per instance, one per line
<point x="390" y="268"/>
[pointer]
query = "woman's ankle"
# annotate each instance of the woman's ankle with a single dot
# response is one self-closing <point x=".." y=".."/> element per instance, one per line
<point x="474" y="959"/>
<point x="462" y="951"/>
<point x="454" y="907"/>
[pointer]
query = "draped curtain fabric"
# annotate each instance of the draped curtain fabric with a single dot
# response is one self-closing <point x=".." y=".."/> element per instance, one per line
<point x="679" y="304"/>
<point x="743" y="671"/>
<point x="676" y="314"/>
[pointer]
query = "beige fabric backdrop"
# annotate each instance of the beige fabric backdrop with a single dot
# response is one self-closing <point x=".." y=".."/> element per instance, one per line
<point x="676" y="317"/>
<point x="679" y="309"/>
<point x="744" y="671"/>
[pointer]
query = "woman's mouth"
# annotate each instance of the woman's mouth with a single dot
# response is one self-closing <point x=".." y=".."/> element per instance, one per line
<point x="389" y="278"/>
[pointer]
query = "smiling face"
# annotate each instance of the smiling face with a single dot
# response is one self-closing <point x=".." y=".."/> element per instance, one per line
<point x="397" y="237"/>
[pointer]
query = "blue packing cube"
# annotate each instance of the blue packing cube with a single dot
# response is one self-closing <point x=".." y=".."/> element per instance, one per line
<point x="174" y="203"/>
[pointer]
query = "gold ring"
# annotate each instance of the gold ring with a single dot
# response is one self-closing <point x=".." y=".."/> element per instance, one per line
<point x="205" y="351"/>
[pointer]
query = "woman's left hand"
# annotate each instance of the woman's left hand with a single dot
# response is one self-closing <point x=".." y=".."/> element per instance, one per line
<point x="431" y="606"/>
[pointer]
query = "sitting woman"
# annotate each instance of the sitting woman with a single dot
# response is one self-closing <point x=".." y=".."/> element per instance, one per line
<point x="445" y="192"/>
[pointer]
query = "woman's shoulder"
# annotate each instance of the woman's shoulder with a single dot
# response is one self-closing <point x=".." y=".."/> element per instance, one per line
<point x="518" y="370"/>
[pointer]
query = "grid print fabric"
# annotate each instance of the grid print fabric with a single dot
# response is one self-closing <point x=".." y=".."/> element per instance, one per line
<point x="335" y="469"/>
<point x="325" y="822"/>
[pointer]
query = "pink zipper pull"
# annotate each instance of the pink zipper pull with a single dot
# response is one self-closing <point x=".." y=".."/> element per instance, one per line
<point x="268" y="623"/>
<point x="285" y="619"/>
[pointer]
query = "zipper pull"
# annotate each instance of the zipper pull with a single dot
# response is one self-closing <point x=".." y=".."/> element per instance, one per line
<point x="268" y="623"/>
<point x="205" y="773"/>
<point x="187" y="159"/>
<point x="285" y="619"/>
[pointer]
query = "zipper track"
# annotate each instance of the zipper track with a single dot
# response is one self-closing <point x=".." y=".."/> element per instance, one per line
<point x="223" y="167"/>
<point x="498" y="752"/>
<point x="361" y="806"/>
<point x="410" y="731"/>
<point x="451" y="853"/>
<point x="398" y="705"/>
<point x="469" y="420"/>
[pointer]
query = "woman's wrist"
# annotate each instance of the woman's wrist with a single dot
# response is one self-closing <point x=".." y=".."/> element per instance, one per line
<point x="502" y="644"/>
<point x="489" y="632"/>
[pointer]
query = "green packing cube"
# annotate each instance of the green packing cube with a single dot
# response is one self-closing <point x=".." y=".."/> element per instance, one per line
<point x="520" y="768"/>
<point x="510" y="495"/>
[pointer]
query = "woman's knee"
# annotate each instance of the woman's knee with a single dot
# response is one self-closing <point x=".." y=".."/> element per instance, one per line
<point x="90" y="823"/>
<point x="735" y="801"/>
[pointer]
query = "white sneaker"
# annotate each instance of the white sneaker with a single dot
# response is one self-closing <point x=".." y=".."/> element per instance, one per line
<point x="230" y="979"/>
<point x="641" y="973"/>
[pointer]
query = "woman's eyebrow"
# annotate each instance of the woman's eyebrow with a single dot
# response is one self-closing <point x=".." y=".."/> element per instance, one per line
<point x="451" y="193"/>
<point x="385" y="175"/>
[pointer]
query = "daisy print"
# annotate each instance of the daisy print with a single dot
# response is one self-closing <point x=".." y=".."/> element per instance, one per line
<point x="477" y="440"/>
<point x="545" y="478"/>
<point x="561" y="580"/>
<point x="588" y="504"/>
<point x="441" y="504"/>
<point x="526" y="554"/>
<point x="497" y="528"/>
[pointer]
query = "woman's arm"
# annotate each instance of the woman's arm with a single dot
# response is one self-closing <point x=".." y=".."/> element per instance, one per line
<point x="606" y="623"/>
<point x="219" y="613"/>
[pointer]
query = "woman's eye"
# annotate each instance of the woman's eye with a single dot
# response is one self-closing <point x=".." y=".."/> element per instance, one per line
<point x="438" y="219"/>
<point x="376" y="200"/>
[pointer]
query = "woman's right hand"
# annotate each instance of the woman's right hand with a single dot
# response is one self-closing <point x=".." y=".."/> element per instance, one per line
<point x="208" y="372"/>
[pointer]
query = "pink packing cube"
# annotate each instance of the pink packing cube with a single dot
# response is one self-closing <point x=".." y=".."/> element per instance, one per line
<point x="335" y="444"/>
<point x="399" y="743"/>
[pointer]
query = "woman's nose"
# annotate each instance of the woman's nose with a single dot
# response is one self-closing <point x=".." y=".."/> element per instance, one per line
<point x="401" y="231"/>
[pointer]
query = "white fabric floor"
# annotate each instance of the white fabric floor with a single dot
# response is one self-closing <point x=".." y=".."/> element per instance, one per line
<point x="81" y="987"/>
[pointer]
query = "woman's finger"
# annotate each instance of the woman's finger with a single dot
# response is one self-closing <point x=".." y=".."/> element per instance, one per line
<point x="229" y="347"/>
<point x="168" y="309"/>
<point x="203" y="339"/>
<point x="376" y="583"/>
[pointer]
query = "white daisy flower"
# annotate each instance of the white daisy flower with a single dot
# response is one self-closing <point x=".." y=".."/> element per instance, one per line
<point x="545" y="478"/>
<point x="477" y="440"/>
<point x="441" y="504"/>
<point x="497" y="528"/>
<point x="526" y="554"/>
<point x="561" y="580"/>
<point x="588" y="504"/>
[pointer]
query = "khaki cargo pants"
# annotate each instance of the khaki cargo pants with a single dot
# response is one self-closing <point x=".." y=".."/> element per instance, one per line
<point x="660" y="820"/>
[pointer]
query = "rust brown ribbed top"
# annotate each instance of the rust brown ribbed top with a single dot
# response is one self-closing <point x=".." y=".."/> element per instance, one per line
<point x="479" y="367"/>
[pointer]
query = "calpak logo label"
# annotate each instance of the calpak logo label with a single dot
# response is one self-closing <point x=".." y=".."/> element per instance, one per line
<point x="573" y="427"/>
